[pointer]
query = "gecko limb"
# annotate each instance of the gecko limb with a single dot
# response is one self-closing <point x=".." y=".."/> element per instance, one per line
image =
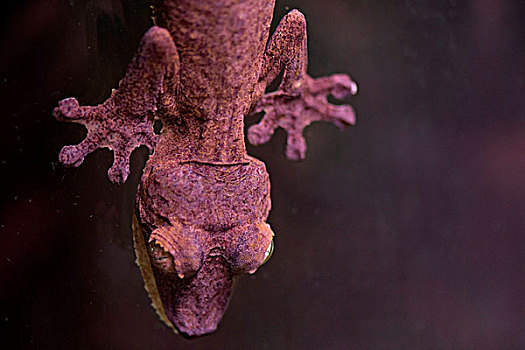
<point x="125" y="120"/>
<point x="300" y="99"/>
<point x="293" y="113"/>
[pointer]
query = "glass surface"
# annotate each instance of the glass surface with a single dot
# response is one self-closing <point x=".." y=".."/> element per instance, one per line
<point x="404" y="232"/>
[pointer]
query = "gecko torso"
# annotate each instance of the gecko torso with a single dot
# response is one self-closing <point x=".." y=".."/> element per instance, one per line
<point x="203" y="202"/>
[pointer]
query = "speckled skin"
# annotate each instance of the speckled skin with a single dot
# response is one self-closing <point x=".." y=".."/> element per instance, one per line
<point x="203" y="202"/>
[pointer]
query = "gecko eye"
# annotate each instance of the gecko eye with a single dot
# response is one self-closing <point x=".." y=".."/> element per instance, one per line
<point x="268" y="253"/>
<point x="161" y="258"/>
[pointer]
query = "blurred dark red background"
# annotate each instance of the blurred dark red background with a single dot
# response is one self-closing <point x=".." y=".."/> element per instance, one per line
<point x="404" y="232"/>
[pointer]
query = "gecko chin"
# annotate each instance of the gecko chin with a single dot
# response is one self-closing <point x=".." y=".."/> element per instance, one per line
<point x="195" y="305"/>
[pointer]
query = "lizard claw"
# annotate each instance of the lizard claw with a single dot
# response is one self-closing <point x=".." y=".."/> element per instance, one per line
<point x="119" y="172"/>
<point x="294" y="112"/>
<point x="339" y="85"/>
<point x="73" y="156"/>
<point x="295" y="146"/>
<point x="67" y="109"/>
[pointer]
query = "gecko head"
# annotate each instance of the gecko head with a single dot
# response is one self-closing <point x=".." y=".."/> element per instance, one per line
<point x="201" y="226"/>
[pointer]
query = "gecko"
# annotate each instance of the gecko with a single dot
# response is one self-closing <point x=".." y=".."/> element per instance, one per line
<point x="202" y="204"/>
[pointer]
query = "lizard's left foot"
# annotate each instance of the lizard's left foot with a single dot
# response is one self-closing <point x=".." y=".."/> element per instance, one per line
<point x="125" y="120"/>
<point x="107" y="126"/>
<point x="295" y="111"/>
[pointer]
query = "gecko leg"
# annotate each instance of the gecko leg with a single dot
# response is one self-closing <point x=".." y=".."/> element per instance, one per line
<point x="125" y="120"/>
<point x="300" y="99"/>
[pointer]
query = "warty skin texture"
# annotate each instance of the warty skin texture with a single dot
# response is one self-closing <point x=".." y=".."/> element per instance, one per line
<point x="203" y="203"/>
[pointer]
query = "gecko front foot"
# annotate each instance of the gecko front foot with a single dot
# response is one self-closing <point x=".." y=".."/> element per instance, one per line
<point x="293" y="111"/>
<point x="107" y="126"/>
<point x="125" y="120"/>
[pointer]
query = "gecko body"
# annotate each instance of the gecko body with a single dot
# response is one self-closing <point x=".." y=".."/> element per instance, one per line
<point x="203" y="203"/>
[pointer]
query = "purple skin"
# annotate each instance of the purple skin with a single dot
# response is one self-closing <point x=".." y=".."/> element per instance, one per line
<point x="203" y="202"/>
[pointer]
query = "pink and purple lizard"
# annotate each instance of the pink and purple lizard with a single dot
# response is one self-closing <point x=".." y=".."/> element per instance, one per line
<point x="203" y="202"/>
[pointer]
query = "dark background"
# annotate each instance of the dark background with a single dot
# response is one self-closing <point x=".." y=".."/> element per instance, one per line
<point x="404" y="232"/>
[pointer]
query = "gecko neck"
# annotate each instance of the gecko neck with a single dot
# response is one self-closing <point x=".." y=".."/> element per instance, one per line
<point x="218" y="141"/>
